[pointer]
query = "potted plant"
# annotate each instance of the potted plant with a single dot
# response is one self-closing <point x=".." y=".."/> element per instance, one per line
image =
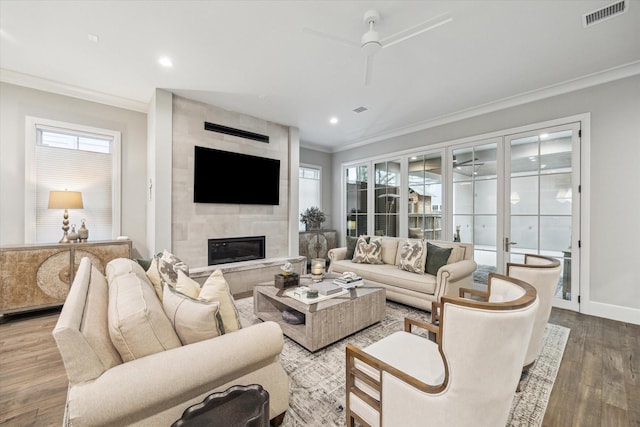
<point x="312" y="218"/>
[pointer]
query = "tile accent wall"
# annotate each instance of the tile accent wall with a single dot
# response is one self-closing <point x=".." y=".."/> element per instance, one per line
<point x="192" y="224"/>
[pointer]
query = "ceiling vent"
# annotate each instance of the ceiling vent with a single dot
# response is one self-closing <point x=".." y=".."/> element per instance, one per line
<point x="360" y="110"/>
<point x="604" y="13"/>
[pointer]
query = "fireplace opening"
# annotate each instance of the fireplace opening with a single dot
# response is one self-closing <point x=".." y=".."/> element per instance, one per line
<point x="235" y="249"/>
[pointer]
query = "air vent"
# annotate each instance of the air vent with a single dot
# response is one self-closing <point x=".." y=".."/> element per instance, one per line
<point x="604" y="13"/>
<point x="360" y="110"/>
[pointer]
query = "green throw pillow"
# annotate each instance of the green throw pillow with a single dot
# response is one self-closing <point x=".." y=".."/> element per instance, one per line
<point x="351" y="246"/>
<point x="436" y="258"/>
<point x="144" y="263"/>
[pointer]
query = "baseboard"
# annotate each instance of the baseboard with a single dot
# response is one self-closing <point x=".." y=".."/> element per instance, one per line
<point x="615" y="312"/>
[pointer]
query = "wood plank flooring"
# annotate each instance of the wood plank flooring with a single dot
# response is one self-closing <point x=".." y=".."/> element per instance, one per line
<point x="598" y="383"/>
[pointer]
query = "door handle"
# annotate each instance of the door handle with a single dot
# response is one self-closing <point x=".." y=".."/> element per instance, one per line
<point x="507" y="244"/>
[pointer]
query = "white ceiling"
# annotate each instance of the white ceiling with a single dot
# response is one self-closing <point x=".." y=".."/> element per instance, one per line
<point x="254" y="57"/>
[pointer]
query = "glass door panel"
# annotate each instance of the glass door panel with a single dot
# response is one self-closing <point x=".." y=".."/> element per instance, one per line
<point x="475" y="203"/>
<point x="386" y="195"/>
<point x="357" y="183"/>
<point x="543" y="176"/>
<point x="425" y="197"/>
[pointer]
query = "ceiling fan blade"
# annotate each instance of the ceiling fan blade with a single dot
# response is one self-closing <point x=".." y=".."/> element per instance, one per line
<point x="368" y="71"/>
<point x="416" y="30"/>
<point x="330" y="37"/>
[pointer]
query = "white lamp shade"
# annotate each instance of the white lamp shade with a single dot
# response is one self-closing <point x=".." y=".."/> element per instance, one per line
<point x="65" y="200"/>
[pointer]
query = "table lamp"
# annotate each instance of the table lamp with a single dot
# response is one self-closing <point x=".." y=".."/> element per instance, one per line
<point x="65" y="200"/>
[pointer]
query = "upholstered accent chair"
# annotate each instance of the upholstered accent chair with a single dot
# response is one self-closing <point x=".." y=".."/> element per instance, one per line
<point x="467" y="376"/>
<point x="543" y="273"/>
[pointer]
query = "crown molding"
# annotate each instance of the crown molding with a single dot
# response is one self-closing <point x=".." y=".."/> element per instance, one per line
<point x="595" y="79"/>
<point x="34" y="82"/>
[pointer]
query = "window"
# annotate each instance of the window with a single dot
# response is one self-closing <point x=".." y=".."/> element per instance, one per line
<point x="64" y="156"/>
<point x="310" y="189"/>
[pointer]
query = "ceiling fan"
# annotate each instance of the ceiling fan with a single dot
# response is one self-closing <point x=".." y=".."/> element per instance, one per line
<point x="470" y="162"/>
<point x="371" y="43"/>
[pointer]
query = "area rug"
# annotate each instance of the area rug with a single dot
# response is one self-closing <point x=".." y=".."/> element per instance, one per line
<point x="317" y="379"/>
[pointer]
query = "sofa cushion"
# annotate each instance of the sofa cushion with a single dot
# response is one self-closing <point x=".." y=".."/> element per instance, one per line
<point x="168" y="266"/>
<point x="436" y="258"/>
<point x="119" y="266"/>
<point x="193" y="320"/>
<point x="187" y="286"/>
<point x="216" y="288"/>
<point x="457" y="254"/>
<point x="138" y="325"/>
<point x="389" y="250"/>
<point x="388" y="274"/>
<point x="412" y="256"/>
<point x="368" y="253"/>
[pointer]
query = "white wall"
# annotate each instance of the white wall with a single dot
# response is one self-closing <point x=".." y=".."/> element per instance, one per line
<point x="319" y="158"/>
<point x="159" y="172"/>
<point x="614" y="210"/>
<point x="16" y="102"/>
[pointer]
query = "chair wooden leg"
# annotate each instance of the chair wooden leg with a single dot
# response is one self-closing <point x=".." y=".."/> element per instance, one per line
<point x="277" y="420"/>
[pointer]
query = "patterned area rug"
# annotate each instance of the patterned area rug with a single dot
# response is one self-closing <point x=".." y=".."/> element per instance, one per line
<point x="317" y="379"/>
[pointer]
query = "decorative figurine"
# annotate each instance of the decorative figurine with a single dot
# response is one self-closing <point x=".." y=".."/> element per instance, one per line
<point x="73" y="235"/>
<point x="83" y="232"/>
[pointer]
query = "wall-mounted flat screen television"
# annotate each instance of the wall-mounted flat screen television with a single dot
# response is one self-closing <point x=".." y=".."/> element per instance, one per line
<point x="227" y="177"/>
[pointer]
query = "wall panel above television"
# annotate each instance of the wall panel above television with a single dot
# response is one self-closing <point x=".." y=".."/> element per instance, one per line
<point x="235" y="178"/>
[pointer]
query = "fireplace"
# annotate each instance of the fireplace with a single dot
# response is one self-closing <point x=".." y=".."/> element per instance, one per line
<point x="235" y="249"/>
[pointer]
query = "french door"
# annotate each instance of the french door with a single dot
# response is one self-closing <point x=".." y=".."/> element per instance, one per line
<point x="542" y="209"/>
<point x="519" y="194"/>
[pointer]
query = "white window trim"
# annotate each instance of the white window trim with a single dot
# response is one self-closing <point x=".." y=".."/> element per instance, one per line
<point x="31" y="125"/>
<point x="310" y="166"/>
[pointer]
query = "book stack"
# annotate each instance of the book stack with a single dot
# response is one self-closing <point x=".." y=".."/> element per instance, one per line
<point x="348" y="282"/>
<point x="326" y="288"/>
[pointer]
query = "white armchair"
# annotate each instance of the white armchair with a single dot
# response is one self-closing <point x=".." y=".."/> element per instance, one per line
<point x="466" y="377"/>
<point x="543" y="274"/>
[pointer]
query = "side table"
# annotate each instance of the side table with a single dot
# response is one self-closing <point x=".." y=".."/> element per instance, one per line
<point x="238" y="406"/>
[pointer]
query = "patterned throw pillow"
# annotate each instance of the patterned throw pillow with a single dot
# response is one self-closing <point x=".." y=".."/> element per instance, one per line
<point x="368" y="253"/>
<point x="413" y="255"/>
<point x="168" y="266"/>
<point x="436" y="258"/>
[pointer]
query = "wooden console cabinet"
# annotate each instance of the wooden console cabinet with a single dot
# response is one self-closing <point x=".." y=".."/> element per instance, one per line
<point x="316" y="243"/>
<point x="35" y="276"/>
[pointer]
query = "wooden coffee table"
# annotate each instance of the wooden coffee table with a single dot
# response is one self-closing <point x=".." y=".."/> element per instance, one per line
<point x="326" y="321"/>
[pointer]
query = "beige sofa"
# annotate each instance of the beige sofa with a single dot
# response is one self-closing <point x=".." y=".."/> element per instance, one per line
<point x="416" y="290"/>
<point x="155" y="389"/>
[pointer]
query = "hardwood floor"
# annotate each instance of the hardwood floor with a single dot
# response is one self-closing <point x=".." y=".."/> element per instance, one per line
<point x="598" y="383"/>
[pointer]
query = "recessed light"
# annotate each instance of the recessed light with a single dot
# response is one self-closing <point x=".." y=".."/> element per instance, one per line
<point x="165" y="62"/>
<point x="93" y="38"/>
<point x="333" y="120"/>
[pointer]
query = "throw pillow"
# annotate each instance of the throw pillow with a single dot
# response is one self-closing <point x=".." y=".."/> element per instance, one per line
<point x="187" y="286"/>
<point x="413" y="255"/>
<point x="351" y="247"/>
<point x="368" y="253"/>
<point x="138" y="325"/>
<point x="144" y="263"/>
<point x="154" y="276"/>
<point x="436" y="258"/>
<point x="168" y="266"/>
<point x="216" y="288"/>
<point x="192" y="320"/>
